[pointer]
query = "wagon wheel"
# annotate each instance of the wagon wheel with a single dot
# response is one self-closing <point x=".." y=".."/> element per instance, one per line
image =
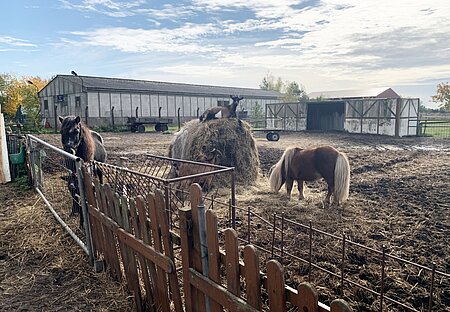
<point x="141" y="128"/>
<point x="272" y="136"/>
<point x="164" y="127"/>
<point x="158" y="127"/>
<point x="275" y="136"/>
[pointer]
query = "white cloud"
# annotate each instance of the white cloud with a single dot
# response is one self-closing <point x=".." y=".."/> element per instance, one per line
<point x="186" y="39"/>
<point x="16" y="42"/>
<point x="107" y="7"/>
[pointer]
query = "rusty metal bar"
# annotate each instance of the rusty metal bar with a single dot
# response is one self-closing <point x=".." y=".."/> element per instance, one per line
<point x="342" y="265"/>
<point x="248" y="224"/>
<point x="310" y="251"/>
<point x="282" y="236"/>
<point x="383" y="263"/>
<point x="273" y="232"/>
<point x="430" y="303"/>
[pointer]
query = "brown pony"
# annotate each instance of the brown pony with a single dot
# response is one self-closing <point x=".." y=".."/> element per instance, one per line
<point x="309" y="165"/>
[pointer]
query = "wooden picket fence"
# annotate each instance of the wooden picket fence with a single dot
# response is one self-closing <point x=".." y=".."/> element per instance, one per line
<point x="134" y="238"/>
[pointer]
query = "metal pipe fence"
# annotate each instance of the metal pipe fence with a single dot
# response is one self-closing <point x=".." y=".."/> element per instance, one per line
<point x="58" y="179"/>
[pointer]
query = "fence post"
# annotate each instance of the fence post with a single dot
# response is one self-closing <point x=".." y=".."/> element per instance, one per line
<point x="342" y="265"/>
<point x="276" y="286"/>
<point x="430" y="304"/>
<point x="186" y="248"/>
<point x="203" y="246"/>
<point x="383" y="263"/>
<point x="86" y="223"/>
<point x="308" y="297"/>
<point x="112" y="118"/>
<point x="310" y="252"/>
<point x="340" y="305"/>
<point x="196" y="200"/>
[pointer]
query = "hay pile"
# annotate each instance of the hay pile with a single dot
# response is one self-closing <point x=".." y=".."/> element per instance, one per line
<point x="231" y="137"/>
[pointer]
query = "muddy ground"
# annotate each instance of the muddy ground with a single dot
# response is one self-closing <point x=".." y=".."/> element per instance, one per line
<point x="399" y="197"/>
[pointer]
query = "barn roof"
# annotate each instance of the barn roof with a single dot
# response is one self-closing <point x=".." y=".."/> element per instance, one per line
<point x="127" y="85"/>
<point x="355" y="94"/>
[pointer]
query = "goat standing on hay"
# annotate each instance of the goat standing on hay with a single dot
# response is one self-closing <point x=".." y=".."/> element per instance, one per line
<point x="227" y="111"/>
<point x="309" y="165"/>
<point x="187" y="169"/>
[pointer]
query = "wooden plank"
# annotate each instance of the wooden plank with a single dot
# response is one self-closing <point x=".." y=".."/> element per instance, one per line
<point x="196" y="199"/>
<point x="275" y="286"/>
<point x="126" y="238"/>
<point x="212" y="241"/>
<point x="135" y="218"/>
<point x="161" y="280"/>
<point x="252" y="277"/>
<point x="145" y="236"/>
<point x="339" y="305"/>
<point x="168" y="249"/>
<point x="308" y="299"/>
<point x="219" y="293"/>
<point x="96" y="229"/>
<point x="232" y="261"/>
<point x="186" y="247"/>
<point x="131" y="263"/>
<point x="5" y="175"/>
<point x="145" y="232"/>
<point x="111" y="241"/>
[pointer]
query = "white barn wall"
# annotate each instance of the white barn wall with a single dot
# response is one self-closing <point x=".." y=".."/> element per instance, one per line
<point x="145" y="104"/>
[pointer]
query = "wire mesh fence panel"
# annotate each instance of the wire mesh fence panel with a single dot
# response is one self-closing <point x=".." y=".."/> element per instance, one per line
<point x="174" y="177"/>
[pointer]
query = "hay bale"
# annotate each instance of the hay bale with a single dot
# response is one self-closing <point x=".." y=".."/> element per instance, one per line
<point x="232" y="137"/>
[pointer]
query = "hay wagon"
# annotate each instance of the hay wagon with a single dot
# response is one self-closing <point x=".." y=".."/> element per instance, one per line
<point x="138" y="123"/>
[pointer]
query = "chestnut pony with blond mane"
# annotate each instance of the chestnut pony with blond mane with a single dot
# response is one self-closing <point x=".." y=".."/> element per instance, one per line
<point x="309" y="165"/>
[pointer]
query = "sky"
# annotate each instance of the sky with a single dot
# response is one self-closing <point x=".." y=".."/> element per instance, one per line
<point x="322" y="45"/>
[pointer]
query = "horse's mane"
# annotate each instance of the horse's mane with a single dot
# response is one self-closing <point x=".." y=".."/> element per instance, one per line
<point x="88" y="141"/>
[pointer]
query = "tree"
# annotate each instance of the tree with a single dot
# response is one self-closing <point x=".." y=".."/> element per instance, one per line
<point x="270" y="83"/>
<point x="10" y="94"/>
<point x="294" y="93"/>
<point x="23" y="91"/>
<point x="442" y="96"/>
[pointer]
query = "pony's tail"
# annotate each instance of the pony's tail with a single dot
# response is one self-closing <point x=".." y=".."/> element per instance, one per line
<point x="276" y="176"/>
<point x="341" y="179"/>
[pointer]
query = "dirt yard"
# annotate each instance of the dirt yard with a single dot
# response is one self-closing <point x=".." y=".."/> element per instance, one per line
<point x="399" y="197"/>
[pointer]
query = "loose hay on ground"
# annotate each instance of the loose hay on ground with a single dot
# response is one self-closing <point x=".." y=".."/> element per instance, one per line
<point x="42" y="268"/>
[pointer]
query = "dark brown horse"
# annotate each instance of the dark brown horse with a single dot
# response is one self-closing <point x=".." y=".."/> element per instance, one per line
<point x="309" y="165"/>
<point x="77" y="139"/>
<point x="227" y="111"/>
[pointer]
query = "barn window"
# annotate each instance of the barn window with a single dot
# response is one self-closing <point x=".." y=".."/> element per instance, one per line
<point x="222" y="102"/>
<point x="45" y="104"/>
<point x="77" y="101"/>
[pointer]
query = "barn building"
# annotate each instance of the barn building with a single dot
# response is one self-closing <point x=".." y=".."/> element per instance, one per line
<point x="104" y="101"/>
<point x="375" y="111"/>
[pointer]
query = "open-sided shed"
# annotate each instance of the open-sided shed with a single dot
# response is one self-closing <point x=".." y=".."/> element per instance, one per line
<point x="379" y="111"/>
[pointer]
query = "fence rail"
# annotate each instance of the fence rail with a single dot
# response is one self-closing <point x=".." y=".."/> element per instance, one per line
<point x="434" y="128"/>
<point x="57" y="177"/>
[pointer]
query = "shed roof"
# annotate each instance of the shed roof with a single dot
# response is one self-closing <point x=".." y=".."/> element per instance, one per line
<point x="354" y="94"/>
<point x="127" y="85"/>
